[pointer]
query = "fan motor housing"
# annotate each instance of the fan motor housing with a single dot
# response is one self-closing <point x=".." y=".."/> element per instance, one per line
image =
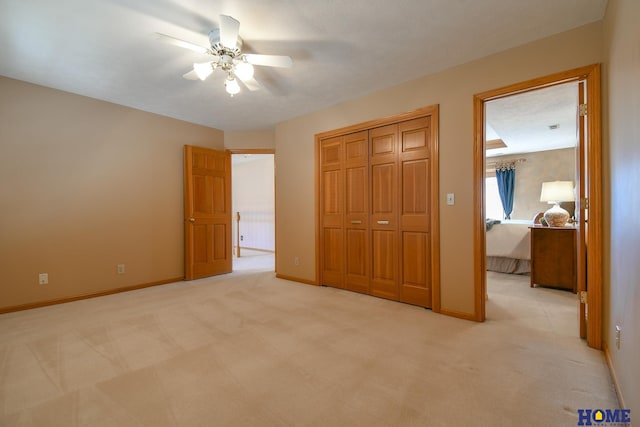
<point x="219" y="49"/>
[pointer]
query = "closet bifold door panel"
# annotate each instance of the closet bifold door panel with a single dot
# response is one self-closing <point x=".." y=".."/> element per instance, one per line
<point x="332" y="209"/>
<point x="356" y="224"/>
<point x="383" y="161"/>
<point x="377" y="208"/>
<point x="415" y="240"/>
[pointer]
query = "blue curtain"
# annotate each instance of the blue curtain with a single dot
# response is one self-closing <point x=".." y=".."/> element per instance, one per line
<point x="506" y="178"/>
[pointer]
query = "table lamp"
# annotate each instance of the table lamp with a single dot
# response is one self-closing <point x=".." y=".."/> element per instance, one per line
<point x="554" y="193"/>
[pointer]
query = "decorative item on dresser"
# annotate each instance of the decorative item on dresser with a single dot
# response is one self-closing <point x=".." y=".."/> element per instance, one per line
<point x="556" y="192"/>
<point x="554" y="257"/>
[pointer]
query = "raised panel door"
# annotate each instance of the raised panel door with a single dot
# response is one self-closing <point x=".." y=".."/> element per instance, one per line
<point x="332" y="153"/>
<point x="357" y="260"/>
<point x="415" y="202"/>
<point x="357" y="253"/>
<point x="376" y="210"/>
<point x="384" y="275"/>
<point x="383" y="160"/>
<point x="332" y="209"/>
<point x="332" y="268"/>
<point x="332" y="195"/>
<point x="207" y="212"/>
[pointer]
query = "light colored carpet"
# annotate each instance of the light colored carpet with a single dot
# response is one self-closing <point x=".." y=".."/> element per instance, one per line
<point x="249" y="349"/>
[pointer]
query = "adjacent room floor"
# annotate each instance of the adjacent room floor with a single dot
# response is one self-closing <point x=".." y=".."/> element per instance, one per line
<point x="254" y="260"/>
<point x="249" y="349"/>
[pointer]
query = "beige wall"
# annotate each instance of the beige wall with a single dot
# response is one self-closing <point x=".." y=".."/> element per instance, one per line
<point x="86" y="185"/>
<point x="453" y="89"/>
<point x="622" y="235"/>
<point x="249" y="139"/>
<point x="539" y="167"/>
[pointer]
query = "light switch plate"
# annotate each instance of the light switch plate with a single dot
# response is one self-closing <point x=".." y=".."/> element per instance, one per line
<point x="451" y="199"/>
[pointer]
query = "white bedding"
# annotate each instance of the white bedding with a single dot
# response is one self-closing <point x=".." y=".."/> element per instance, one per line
<point x="509" y="239"/>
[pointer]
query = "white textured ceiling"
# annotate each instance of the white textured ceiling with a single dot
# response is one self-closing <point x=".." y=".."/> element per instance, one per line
<point x="540" y="120"/>
<point x="105" y="49"/>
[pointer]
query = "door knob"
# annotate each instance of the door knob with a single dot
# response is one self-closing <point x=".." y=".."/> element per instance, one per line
<point x="192" y="220"/>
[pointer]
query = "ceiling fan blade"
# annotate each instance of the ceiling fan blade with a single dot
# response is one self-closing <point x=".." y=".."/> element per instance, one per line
<point x="191" y="75"/>
<point x="251" y="84"/>
<point x="229" y="31"/>
<point x="269" y="60"/>
<point x="180" y="43"/>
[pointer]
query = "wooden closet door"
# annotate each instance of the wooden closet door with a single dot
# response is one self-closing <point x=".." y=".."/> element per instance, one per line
<point x="356" y="224"/>
<point x="383" y="148"/>
<point x="415" y="201"/>
<point x="332" y="209"/>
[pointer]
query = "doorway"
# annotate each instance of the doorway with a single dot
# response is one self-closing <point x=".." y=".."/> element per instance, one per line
<point x="588" y="201"/>
<point x="531" y="138"/>
<point x="253" y="207"/>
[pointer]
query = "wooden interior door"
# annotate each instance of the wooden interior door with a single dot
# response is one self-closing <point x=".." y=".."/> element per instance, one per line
<point x="207" y="208"/>
<point x="357" y="254"/>
<point x="415" y="239"/>
<point x="383" y="148"/>
<point x="581" y="209"/>
<point x="332" y="211"/>
<point x="589" y="207"/>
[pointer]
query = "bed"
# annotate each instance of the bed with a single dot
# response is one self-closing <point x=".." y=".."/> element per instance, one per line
<point x="509" y="247"/>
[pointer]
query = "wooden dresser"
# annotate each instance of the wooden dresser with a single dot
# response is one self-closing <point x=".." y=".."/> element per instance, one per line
<point x="554" y="257"/>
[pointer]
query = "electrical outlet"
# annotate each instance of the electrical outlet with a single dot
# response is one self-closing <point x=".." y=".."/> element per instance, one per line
<point x="43" y="278"/>
<point x="618" y="333"/>
<point x="241" y="238"/>
<point x="120" y="268"/>
<point x="296" y="261"/>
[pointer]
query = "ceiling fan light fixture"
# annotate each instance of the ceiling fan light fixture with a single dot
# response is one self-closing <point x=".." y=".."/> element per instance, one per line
<point x="226" y="49"/>
<point x="231" y="85"/>
<point x="203" y="69"/>
<point x="244" y="70"/>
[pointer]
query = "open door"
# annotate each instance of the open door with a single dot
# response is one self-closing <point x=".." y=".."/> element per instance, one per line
<point x="207" y="212"/>
<point x="588" y="190"/>
<point x="581" y="209"/>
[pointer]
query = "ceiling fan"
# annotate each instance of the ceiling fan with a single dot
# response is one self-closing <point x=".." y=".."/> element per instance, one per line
<point x="226" y="49"/>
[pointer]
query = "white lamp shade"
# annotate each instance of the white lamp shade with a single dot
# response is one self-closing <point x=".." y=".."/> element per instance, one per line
<point x="203" y="69"/>
<point x="557" y="191"/>
<point x="232" y="86"/>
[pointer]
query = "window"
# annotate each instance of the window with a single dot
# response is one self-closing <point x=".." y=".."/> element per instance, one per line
<point x="492" y="203"/>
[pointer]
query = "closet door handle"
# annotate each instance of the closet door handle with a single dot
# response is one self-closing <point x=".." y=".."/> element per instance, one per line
<point x="192" y="220"/>
<point x="356" y="222"/>
<point x="383" y="222"/>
